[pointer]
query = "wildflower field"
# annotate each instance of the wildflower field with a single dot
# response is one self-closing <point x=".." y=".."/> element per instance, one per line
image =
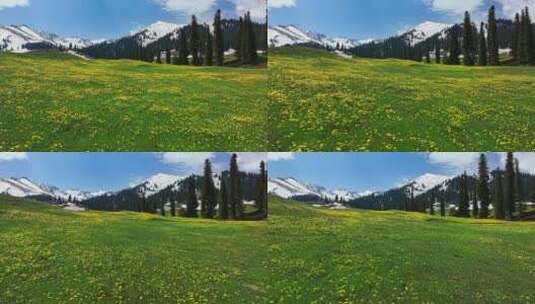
<point x="353" y="256"/>
<point x="50" y="255"/>
<point x="322" y="102"/>
<point x="57" y="102"/>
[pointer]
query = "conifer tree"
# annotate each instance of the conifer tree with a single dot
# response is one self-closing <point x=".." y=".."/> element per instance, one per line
<point x="432" y="202"/>
<point x="261" y="191"/>
<point x="173" y="207"/>
<point x="159" y="57"/>
<point x="209" y="56"/>
<point x="162" y="209"/>
<point x="509" y="202"/>
<point x="168" y="56"/>
<point x="427" y="56"/>
<point x="218" y="39"/>
<point x="515" y="40"/>
<point x="475" y="205"/>
<point x="519" y="189"/>
<point x="194" y="41"/>
<point x="208" y="192"/>
<point x="252" y="48"/>
<point x="183" y="52"/>
<point x="236" y="202"/>
<point x="437" y="53"/>
<point x="468" y="43"/>
<point x="454" y="46"/>
<point x="494" y="58"/>
<point x="483" y="54"/>
<point x="240" y="56"/>
<point x="522" y="40"/>
<point x="442" y="206"/>
<point x="530" y="40"/>
<point x="224" y="205"/>
<point x="463" y="197"/>
<point x="483" y="191"/>
<point x="192" y="204"/>
<point x="498" y="199"/>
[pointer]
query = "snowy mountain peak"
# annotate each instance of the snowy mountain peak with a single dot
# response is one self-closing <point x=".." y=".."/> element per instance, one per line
<point x="16" y="38"/>
<point x="156" y="31"/>
<point x="24" y="187"/>
<point x="157" y="183"/>
<point x="290" y="35"/>
<point x="290" y="187"/>
<point x="427" y="182"/>
<point x="424" y="31"/>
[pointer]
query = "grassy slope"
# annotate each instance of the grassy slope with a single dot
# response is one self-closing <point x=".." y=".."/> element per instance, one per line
<point x="48" y="255"/>
<point x="322" y="256"/>
<point x="320" y="101"/>
<point x="51" y="101"/>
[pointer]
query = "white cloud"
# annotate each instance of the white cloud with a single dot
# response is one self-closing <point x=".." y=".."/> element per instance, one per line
<point x="250" y="162"/>
<point x="526" y="161"/>
<point x="13" y="3"/>
<point x="9" y="156"/>
<point x="511" y="7"/>
<point x="281" y="3"/>
<point x="189" y="7"/>
<point x="455" y="7"/>
<point x="455" y="162"/>
<point x="256" y="7"/>
<point x="189" y="161"/>
<point x="280" y="156"/>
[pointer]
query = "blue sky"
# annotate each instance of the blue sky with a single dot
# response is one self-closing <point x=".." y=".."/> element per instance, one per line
<point x="112" y="171"/>
<point x="95" y="19"/>
<point x="379" y="171"/>
<point x="363" y="19"/>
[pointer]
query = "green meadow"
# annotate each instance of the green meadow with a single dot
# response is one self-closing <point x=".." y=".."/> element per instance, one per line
<point x="352" y="256"/>
<point x="302" y="255"/>
<point x="322" y="102"/>
<point x="50" y="255"/>
<point x="58" y="102"/>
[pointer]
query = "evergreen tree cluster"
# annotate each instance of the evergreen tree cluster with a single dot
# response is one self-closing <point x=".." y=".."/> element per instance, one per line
<point x="464" y="43"/>
<point x="193" y="44"/>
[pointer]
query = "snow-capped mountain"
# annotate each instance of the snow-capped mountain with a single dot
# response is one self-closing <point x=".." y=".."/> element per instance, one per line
<point x="157" y="183"/>
<point x="424" y="31"/>
<point x="291" y="188"/>
<point x="290" y="35"/>
<point x="17" y="38"/>
<point x="156" y="31"/>
<point x="426" y="182"/>
<point x="24" y="187"/>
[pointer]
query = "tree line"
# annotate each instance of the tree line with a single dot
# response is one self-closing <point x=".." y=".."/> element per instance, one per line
<point x="198" y="196"/>
<point x="465" y="43"/>
<point x="504" y="190"/>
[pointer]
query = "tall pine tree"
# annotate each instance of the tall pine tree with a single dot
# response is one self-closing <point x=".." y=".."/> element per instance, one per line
<point x="464" y="197"/>
<point x="261" y="191"/>
<point x="195" y="41"/>
<point x="498" y="199"/>
<point x="483" y="54"/>
<point x="437" y="53"/>
<point x="183" y="52"/>
<point x="192" y="204"/>
<point x="208" y="192"/>
<point x="218" y="40"/>
<point x="468" y="43"/>
<point x="224" y="207"/>
<point x="515" y="39"/>
<point x="483" y="187"/>
<point x="509" y="188"/>
<point x="236" y="202"/>
<point x="253" y="55"/>
<point x="209" y="55"/>
<point x="454" y="46"/>
<point x="519" y="197"/>
<point x="494" y="58"/>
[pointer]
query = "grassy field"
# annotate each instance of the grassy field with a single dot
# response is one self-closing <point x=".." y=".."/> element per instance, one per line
<point x="57" y="102"/>
<point x="324" y="256"/>
<point x="48" y="255"/>
<point x="302" y="255"/>
<point x="322" y="102"/>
